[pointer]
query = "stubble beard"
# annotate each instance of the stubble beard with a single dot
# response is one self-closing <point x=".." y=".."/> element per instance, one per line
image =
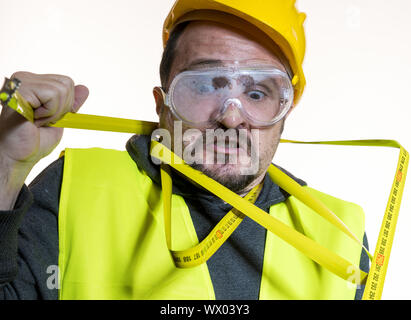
<point x="227" y="176"/>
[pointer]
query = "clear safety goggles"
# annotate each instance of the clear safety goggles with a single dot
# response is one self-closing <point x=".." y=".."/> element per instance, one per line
<point x="262" y="95"/>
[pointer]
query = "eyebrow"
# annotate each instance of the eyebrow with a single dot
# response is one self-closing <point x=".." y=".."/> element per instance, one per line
<point x="202" y="62"/>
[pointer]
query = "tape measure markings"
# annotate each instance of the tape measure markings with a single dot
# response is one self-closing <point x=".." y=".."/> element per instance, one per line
<point x="214" y="240"/>
<point x="379" y="265"/>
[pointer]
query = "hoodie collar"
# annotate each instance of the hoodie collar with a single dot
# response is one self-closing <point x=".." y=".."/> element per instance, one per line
<point x="138" y="148"/>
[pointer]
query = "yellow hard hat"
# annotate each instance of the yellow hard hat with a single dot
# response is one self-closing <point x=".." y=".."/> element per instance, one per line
<point x="279" y="19"/>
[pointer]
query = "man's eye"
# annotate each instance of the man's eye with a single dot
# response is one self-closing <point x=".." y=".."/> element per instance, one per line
<point x="256" y="95"/>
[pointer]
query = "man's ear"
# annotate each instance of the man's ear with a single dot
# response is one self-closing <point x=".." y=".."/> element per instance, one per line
<point x="159" y="99"/>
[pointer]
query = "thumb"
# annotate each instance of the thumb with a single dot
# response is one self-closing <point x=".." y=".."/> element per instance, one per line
<point x="80" y="96"/>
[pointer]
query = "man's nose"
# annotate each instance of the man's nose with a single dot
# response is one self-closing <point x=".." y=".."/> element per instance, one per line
<point x="231" y="116"/>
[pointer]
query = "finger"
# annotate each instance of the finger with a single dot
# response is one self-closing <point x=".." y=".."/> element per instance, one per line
<point x="68" y="84"/>
<point x="80" y="96"/>
<point x="52" y="95"/>
<point x="40" y="91"/>
<point x="26" y="91"/>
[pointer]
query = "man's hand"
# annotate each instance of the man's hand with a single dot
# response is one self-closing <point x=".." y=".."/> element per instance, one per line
<point x="22" y="143"/>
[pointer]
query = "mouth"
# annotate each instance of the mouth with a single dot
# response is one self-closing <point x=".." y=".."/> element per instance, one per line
<point x="230" y="149"/>
<point x="228" y="146"/>
<point x="235" y="148"/>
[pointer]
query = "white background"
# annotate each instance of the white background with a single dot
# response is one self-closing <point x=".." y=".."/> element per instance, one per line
<point x="358" y="87"/>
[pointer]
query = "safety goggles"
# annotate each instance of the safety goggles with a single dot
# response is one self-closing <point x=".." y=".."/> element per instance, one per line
<point x="263" y="95"/>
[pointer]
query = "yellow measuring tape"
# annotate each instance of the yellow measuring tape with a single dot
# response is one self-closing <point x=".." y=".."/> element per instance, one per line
<point x="379" y="264"/>
<point x="220" y="233"/>
<point x="244" y="206"/>
<point x="312" y="249"/>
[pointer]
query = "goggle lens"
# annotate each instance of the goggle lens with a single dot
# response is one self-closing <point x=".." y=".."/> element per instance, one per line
<point x="199" y="97"/>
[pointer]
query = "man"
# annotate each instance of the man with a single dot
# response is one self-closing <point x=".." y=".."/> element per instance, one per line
<point x="97" y="214"/>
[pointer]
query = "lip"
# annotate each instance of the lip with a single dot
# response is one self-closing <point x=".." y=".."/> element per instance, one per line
<point x="237" y="147"/>
<point x="227" y="150"/>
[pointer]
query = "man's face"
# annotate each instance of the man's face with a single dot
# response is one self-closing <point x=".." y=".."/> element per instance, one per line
<point x="211" y="44"/>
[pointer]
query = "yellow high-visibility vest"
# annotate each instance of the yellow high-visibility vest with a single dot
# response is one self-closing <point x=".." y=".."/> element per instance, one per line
<point x="112" y="243"/>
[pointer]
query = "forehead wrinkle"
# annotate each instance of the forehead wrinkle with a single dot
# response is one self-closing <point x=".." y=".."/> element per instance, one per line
<point x="217" y="46"/>
<point x="195" y="55"/>
<point x="214" y="41"/>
